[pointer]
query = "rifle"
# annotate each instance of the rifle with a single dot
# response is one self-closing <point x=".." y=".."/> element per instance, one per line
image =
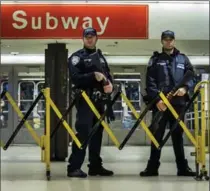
<point x="157" y="117"/>
<point x="179" y="118"/>
<point x="188" y="75"/>
<point x="97" y="63"/>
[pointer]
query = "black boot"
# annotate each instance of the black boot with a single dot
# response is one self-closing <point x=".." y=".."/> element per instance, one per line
<point x="99" y="170"/>
<point x="77" y="174"/>
<point x="184" y="169"/>
<point x="151" y="170"/>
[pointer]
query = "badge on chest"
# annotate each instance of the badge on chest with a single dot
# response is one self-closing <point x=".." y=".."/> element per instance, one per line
<point x="161" y="63"/>
<point x="181" y="66"/>
<point x="88" y="62"/>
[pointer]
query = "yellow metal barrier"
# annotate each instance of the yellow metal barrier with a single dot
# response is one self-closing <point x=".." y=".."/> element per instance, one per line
<point x="106" y="126"/>
<point x="43" y="141"/>
<point x="2" y="144"/>
<point x="142" y="123"/>
<point x="200" y="142"/>
<point x="43" y="148"/>
<point x="176" y="116"/>
<point x="20" y="114"/>
<point x="201" y="129"/>
<point x="65" y="124"/>
<point x="103" y="123"/>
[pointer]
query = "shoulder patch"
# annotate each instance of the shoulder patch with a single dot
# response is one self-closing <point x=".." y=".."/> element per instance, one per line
<point x="102" y="60"/>
<point x="75" y="60"/>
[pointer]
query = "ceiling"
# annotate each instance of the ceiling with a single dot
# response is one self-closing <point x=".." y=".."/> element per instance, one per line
<point x="109" y="47"/>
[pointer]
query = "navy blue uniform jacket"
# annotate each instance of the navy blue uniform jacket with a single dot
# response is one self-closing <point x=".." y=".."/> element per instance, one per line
<point x="166" y="71"/>
<point x="82" y="68"/>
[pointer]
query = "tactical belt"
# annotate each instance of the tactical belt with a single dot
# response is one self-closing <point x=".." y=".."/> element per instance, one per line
<point x="94" y="94"/>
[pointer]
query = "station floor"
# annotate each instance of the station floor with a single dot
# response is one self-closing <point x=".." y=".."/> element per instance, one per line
<point x="21" y="170"/>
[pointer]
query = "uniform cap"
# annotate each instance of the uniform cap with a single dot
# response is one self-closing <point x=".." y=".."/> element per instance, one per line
<point x="168" y="33"/>
<point x="89" y="31"/>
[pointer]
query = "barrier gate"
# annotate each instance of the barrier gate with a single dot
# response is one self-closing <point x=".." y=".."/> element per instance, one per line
<point x="44" y="141"/>
<point x="199" y="141"/>
<point x="196" y="140"/>
<point x="101" y="119"/>
<point x="202" y="129"/>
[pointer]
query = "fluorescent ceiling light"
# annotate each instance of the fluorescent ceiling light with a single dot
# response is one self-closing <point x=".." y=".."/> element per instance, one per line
<point x="22" y="59"/>
<point x="33" y="59"/>
<point x="39" y="74"/>
<point x="14" y="53"/>
<point x="32" y="79"/>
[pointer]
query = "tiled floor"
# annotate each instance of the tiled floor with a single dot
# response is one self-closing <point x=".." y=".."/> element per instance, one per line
<point x="21" y="174"/>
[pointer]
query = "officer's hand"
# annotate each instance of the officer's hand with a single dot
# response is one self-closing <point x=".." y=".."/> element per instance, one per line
<point x="108" y="88"/>
<point x="161" y="106"/>
<point x="180" y="92"/>
<point x="99" y="76"/>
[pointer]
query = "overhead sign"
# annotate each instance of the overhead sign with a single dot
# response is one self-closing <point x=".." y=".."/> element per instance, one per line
<point x="33" y="21"/>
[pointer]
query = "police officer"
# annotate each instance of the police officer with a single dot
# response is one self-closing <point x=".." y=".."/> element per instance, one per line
<point x="164" y="71"/>
<point x="91" y="77"/>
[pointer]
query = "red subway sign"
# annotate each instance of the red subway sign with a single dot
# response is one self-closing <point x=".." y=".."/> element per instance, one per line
<point x="44" y="21"/>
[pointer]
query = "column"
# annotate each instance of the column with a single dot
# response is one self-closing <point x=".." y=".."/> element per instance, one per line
<point x="56" y="71"/>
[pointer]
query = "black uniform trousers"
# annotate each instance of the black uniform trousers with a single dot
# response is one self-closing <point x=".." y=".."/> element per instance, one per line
<point x="177" y="139"/>
<point x="85" y="119"/>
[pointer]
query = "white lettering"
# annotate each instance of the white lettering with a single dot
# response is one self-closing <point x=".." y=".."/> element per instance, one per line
<point x="101" y="25"/>
<point x="88" y="22"/>
<point x="70" y="21"/>
<point x="21" y="21"/>
<point x="39" y="23"/>
<point x="48" y="19"/>
<point x="18" y="19"/>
